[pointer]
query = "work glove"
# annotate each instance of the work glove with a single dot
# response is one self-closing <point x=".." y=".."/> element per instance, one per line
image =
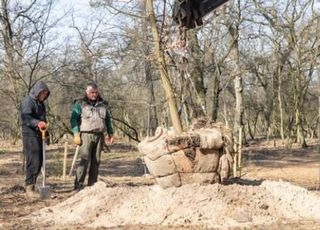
<point x="77" y="139"/>
<point x="109" y="138"/>
<point x="42" y="125"/>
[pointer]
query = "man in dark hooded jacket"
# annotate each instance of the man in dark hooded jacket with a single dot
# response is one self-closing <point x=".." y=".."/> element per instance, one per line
<point x="33" y="119"/>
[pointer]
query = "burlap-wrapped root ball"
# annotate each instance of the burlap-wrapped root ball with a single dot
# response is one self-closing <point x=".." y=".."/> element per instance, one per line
<point x="203" y="155"/>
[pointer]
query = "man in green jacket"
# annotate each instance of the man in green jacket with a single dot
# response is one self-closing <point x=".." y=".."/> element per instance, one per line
<point x="90" y="118"/>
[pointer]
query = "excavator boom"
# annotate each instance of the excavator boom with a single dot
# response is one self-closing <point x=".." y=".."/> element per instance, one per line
<point x="189" y="13"/>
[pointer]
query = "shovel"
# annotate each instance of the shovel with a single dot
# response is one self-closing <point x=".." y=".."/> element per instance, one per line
<point x="74" y="160"/>
<point x="44" y="190"/>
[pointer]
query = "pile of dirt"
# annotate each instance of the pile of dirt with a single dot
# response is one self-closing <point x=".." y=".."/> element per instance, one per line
<point x="208" y="206"/>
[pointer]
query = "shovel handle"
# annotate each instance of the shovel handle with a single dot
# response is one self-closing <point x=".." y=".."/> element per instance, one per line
<point x="74" y="160"/>
<point x="43" y="133"/>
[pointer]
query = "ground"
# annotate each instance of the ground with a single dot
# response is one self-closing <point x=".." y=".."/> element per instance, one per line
<point x="123" y="168"/>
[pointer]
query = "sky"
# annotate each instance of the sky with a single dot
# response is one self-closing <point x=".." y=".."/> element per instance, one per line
<point x="85" y="16"/>
<point x="78" y="9"/>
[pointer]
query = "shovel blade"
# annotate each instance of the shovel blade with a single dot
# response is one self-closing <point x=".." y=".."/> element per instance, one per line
<point x="44" y="192"/>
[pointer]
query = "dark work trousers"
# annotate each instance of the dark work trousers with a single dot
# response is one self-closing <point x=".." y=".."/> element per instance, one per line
<point x="32" y="150"/>
<point x="90" y="153"/>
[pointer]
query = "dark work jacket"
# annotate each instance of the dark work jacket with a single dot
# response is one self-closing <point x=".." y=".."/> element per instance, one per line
<point x="32" y="111"/>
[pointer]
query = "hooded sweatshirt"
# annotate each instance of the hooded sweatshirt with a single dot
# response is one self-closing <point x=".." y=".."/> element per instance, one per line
<point x="32" y="111"/>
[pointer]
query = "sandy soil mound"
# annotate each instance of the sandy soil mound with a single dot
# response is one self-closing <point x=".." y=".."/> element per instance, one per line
<point x="214" y="205"/>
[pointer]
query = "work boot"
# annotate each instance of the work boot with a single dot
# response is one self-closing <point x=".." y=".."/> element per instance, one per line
<point x="78" y="187"/>
<point x="31" y="193"/>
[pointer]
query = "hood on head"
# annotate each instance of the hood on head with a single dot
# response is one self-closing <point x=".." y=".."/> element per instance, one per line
<point x="37" y="88"/>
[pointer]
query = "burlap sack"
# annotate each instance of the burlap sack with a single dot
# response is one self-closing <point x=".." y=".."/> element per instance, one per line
<point x="156" y="146"/>
<point x="162" y="166"/>
<point x="198" y="156"/>
<point x="225" y="166"/>
<point x="183" y="141"/>
<point x="182" y="162"/>
<point x="210" y="138"/>
<point x="200" y="178"/>
<point x="207" y="160"/>
<point x="169" y="181"/>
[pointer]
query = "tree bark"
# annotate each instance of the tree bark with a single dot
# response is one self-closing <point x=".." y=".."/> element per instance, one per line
<point x="175" y="119"/>
<point x="152" y="111"/>
<point x="216" y="94"/>
<point x="238" y="117"/>
<point x="197" y="83"/>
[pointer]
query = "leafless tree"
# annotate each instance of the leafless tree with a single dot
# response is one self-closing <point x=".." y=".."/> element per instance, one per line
<point x="25" y="45"/>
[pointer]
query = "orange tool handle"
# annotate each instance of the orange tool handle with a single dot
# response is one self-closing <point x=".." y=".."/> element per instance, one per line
<point x="43" y="132"/>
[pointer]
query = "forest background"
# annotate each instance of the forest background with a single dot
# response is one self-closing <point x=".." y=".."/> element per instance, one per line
<point x="254" y="64"/>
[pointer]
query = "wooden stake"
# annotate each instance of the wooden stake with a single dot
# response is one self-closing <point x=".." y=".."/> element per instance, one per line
<point x="240" y="150"/>
<point x="235" y="165"/>
<point x="235" y="157"/>
<point x="64" y="170"/>
<point x="319" y="140"/>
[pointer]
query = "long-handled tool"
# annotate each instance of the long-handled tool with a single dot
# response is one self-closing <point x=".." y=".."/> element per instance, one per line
<point x="44" y="190"/>
<point x="74" y="160"/>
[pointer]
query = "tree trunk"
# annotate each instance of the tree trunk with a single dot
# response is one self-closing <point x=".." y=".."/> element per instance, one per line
<point x="298" y="113"/>
<point x="198" y="89"/>
<point x="280" y="106"/>
<point x="152" y="111"/>
<point x="175" y="119"/>
<point x="238" y="117"/>
<point x="225" y="112"/>
<point x="216" y="94"/>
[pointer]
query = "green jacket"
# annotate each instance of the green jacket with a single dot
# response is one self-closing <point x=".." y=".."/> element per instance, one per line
<point x="77" y="111"/>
